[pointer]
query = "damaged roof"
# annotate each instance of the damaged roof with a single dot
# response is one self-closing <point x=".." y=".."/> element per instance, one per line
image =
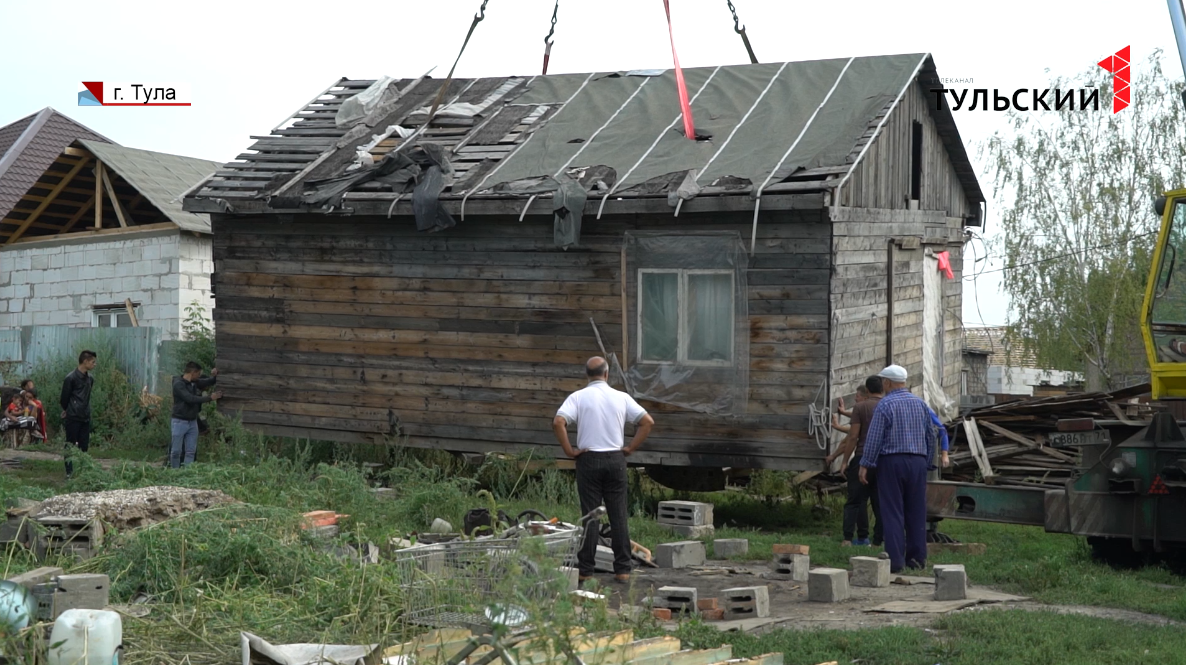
<point x="160" y="177"/>
<point x="27" y="148"/>
<point x="756" y="125"/>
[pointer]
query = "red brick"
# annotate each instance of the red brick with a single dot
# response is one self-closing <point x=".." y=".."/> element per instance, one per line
<point x="792" y="549"/>
<point x="706" y="604"/>
<point x="661" y="613"/>
<point x="712" y="615"/>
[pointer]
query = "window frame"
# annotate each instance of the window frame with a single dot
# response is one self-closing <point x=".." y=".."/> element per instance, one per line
<point x="114" y="311"/>
<point x="683" y="325"/>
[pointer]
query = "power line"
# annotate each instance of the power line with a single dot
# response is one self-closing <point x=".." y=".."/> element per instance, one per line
<point x="1060" y="256"/>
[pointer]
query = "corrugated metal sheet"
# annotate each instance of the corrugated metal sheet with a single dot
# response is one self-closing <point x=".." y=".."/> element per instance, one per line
<point x="135" y="349"/>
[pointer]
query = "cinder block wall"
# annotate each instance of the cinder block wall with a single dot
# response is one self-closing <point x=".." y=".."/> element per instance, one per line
<point x="59" y="283"/>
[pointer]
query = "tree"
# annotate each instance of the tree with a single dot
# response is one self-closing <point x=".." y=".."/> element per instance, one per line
<point x="1075" y="190"/>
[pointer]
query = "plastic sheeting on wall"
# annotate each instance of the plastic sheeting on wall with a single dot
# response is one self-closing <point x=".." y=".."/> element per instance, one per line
<point x="933" y="342"/>
<point x="691" y="320"/>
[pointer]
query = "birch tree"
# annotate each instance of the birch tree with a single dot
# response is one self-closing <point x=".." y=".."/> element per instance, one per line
<point x="1075" y="192"/>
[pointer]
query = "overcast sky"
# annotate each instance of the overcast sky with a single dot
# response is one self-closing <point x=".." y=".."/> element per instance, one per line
<point x="251" y="63"/>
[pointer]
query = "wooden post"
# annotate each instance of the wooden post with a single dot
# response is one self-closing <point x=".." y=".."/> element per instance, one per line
<point x="889" y="302"/>
<point x="132" y="312"/>
<point x="625" y="308"/>
<point x="119" y="212"/>
<point x="98" y="195"/>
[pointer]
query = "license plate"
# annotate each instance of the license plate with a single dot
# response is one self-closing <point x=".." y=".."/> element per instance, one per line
<point x="1093" y="437"/>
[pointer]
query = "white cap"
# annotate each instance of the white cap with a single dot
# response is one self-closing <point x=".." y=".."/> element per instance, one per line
<point x="895" y="373"/>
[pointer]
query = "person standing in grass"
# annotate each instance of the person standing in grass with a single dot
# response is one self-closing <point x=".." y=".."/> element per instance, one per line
<point x="76" y="404"/>
<point x="860" y="495"/>
<point x="187" y="406"/>
<point x="600" y="414"/>
<point x="900" y="446"/>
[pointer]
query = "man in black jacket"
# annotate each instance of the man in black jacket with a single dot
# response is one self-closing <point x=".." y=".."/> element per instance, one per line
<point x="76" y="404"/>
<point x="187" y="405"/>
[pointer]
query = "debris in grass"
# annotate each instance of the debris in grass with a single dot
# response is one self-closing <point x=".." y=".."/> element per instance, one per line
<point x="130" y="509"/>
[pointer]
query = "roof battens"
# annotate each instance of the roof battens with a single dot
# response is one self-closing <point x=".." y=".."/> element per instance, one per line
<point x="516" y="150"/>
<point x="589" y="140"/>
<point x="745" y="117"/>
<point x="884" y="118"/>
<point x="654" y="143"/>
<point x="758" y="194"/>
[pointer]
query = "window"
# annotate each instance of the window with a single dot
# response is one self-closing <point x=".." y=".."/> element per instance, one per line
<point x="114" y="316"/>
<point x="686" y="316"/>
<point x="916" y="161"/>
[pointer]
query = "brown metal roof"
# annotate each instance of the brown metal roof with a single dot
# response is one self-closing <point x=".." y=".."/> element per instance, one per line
<point x="1002" y="348"/>
<point x="28" y="147"/>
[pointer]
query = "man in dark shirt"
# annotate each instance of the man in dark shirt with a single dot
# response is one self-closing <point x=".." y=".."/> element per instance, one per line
<point x="856" y="512"/>
<point x="187" y="406"/>
<point x="76" y="404"/>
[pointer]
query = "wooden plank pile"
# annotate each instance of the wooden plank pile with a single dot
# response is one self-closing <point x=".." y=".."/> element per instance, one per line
<point x="1009" y="443"/>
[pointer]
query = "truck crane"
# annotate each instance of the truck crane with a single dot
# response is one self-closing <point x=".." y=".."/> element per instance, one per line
<point x="1127" y="495"/>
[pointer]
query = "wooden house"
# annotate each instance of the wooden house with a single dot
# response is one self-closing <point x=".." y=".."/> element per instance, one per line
<point x="742" y="278"/>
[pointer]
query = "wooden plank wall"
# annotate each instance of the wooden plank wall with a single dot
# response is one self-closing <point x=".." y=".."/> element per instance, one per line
<point x="882" y="178"/>
<point x="859" y="290"/>
<point x="350" y="329"/>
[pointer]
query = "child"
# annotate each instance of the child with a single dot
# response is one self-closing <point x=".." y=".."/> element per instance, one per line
<point x="36" y="411"/>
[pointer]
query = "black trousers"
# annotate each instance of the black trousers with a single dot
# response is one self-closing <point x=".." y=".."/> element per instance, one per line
<point x="602" y="477"/>
<point x="856" y="514"/>
<point x="79" y="434"/>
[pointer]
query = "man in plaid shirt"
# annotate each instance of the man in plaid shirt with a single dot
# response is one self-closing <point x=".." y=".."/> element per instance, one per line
<point x="900" y="446"/>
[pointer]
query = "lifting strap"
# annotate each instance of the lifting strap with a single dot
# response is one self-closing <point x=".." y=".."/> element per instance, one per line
<point x="740" y="29"/>
<point x="548" y="41"/>
<point x="684" y="105"/>
<point x="449" y="79"/>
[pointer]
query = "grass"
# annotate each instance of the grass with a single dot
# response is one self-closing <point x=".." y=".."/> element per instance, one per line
<point x="1002" y="637"/>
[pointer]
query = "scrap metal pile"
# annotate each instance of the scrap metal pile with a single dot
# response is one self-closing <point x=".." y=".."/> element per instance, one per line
<point x="1018" y="443"/>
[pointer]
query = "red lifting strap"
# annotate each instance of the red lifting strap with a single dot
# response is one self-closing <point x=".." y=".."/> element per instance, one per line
<point x="684" y="105"/>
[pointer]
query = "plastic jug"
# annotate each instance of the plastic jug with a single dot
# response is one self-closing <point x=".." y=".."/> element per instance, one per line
<point x="86" y="637"/>
<point x="16" y="607"/>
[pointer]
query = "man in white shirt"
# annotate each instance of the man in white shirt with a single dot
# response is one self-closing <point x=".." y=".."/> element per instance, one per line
<point x="600" y="414"/>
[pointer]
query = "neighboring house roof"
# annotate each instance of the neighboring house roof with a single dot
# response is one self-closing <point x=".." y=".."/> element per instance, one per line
<point x="519" y="130"/>
<point x="27" y="148"/>
<point x="1003" y="350"/>
<point x="160" y="177"/>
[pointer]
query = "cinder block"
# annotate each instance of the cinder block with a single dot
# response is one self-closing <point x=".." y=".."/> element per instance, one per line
<point x="782" y="548"/>
<point x="827" y="585"/>
<point x="603" y="559"/>
<point x="790" y="567"/>
<point x="870" y="571"/>
<point x="747" y="602"/>
<point x="676" y="598"/>
<point x="681" y="554"/>
<point x="687" y="513"/>
<point x="951" y="582"/>
<point x="696" y="532"/>
<point x="573" y="575"/>
<point x="723" y="548"/>
<point x="36" y="576"/>
<point x="81" y="592"/>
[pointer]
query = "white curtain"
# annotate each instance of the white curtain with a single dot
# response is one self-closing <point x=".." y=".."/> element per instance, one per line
<point x="710" y="316"/>
<point x="660" y="316"/>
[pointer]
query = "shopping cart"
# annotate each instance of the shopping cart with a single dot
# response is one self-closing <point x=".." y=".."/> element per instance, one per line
<point x="489" y="585"/>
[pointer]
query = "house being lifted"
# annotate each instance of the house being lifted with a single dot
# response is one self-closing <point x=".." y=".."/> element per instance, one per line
<point x="92" y="233"/>
<point x="376" y="275"/>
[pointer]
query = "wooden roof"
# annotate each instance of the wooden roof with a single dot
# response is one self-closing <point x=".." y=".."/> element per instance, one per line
<point x="509" y="129"/>
<point x="28" y="147"/>
<point x="139" y="189"/>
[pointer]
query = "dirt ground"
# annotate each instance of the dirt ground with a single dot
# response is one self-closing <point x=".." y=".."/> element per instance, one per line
<point x="789" y="607"/>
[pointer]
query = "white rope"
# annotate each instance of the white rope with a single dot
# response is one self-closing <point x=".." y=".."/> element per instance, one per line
<point x="654" y="143"/>
<point x="521" y="146"/>
<point x="753" y="242"/>
<point x="742" y="122"/>
<point x="881" y="124"/>
<point x="589" y="140"/>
